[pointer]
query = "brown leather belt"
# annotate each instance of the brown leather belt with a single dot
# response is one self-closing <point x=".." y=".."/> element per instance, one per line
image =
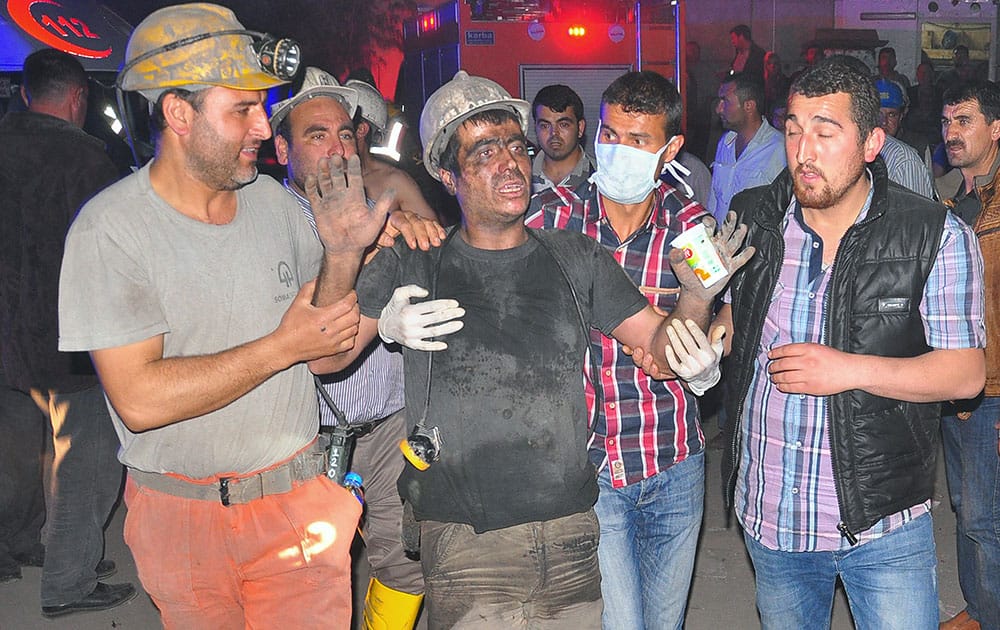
<point x="308" y="463"/>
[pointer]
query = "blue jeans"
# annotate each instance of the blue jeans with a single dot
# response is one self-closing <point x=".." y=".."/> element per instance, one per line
<point x="973" y="469"/>
<point x="649" y="534"/>
<point x="891" y="582"/>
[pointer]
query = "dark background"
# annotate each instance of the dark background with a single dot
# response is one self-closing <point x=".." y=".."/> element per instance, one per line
<point x="336" y="35"/>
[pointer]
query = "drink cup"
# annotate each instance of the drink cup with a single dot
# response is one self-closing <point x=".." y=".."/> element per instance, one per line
<point x="700" y="254"/>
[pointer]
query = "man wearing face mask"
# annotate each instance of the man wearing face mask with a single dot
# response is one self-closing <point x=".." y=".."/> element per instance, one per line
<point x="647" y="441"/>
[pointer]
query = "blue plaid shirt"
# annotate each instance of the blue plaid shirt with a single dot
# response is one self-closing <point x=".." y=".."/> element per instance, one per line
<point x="785" y="494"/>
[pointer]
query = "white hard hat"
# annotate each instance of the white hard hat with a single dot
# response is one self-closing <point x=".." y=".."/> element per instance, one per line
<point x="316" y="83"/>
<point x="372" y="105"/>
<point x="456" y="101"/>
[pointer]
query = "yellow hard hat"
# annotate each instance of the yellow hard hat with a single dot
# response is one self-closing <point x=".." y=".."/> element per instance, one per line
<point x="199" y="45"/>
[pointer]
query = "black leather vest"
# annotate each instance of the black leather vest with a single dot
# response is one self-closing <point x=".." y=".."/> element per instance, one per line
<point x="884" y="451"/>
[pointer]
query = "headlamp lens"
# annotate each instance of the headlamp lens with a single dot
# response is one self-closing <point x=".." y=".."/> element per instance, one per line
<point x="279" y="57"/>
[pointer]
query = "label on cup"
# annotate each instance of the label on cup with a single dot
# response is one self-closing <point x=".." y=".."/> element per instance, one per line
<point x="700" y="255"/>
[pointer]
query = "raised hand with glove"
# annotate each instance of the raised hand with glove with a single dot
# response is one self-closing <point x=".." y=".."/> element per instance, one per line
<point x="411" y="325"/>
<point x="728" y="241"/>
<point x="693" y="357"/>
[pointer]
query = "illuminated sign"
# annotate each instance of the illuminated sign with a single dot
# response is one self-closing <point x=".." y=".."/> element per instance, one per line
<point x="59" y="27"/>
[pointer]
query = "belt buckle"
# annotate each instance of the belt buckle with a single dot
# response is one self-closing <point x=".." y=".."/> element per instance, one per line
<point x="224" y="491"/>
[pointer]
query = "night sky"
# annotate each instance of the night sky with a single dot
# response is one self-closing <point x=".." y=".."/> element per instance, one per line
<point x="254" y="14"/>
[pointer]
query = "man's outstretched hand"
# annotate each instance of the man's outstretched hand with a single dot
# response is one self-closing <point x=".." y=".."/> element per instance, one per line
<point x="336" y="194"/>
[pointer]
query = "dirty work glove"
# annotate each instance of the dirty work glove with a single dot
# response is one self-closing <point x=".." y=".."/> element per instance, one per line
<point x="692" y="357"/>
<point x="412" y="324"/>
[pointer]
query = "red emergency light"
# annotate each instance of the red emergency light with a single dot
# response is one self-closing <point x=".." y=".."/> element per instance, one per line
<point x="428" y="22"/>
<point x="577" y="31"/>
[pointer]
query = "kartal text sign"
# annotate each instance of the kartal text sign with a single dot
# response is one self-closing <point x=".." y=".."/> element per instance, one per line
<point x="480" y="38"/>
<point x="57" y="26"/>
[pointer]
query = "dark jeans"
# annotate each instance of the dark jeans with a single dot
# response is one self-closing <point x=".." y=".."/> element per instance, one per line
<point x="82" y="485"/>
<point x="535" y="575"/>
<point x="973" y="468"/>
<point x="22" y="502"/>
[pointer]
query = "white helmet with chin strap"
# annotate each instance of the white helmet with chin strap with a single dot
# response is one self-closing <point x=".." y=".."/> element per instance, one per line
<point x="371" y="105"/>
<point x="453" y="103"/>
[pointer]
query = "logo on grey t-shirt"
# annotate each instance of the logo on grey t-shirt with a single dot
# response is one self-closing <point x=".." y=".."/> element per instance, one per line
<point x="285" y="275"/>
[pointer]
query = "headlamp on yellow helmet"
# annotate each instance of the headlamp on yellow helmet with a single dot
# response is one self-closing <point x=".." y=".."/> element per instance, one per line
<point x="194" y="46"/>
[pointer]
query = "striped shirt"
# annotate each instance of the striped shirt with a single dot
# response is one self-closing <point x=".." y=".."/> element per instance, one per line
<point x="785" y="493"/>
<point x="540" y="181"/>
<point x="372" y="387"/>
<point x="906" y="168"/>
<point x="644" y="426"/>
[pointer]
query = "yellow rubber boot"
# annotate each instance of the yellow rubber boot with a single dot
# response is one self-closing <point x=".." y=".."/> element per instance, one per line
<point x="389" y="609"/>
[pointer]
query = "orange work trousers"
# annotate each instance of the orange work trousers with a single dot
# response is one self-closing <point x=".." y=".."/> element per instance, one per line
<point x="280" y="561"/>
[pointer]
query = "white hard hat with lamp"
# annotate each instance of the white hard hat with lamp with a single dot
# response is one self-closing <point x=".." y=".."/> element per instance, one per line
<point x="453" y="103"/>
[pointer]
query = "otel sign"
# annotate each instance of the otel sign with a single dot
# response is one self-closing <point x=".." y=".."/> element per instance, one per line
<point x="52" y="24"/>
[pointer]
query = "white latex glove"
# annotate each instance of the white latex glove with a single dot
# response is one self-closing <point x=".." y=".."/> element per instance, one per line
<point x="412" y="324"/>
<point x="692" y="357"/>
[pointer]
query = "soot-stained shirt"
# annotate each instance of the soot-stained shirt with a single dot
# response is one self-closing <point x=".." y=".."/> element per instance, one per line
<point x="507" y="394"/>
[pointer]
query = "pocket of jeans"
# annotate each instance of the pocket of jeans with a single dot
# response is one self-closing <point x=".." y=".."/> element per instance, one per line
<point x="436" y="541"/>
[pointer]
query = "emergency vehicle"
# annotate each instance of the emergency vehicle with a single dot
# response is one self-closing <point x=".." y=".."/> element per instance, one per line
<point x="525" y="45"/>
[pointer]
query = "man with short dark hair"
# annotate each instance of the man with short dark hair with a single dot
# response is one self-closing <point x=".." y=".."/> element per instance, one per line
<point x="508" y="534"/>
<point x="559" y="127"/>
<point x="859" y="290"/>
<point x="962" y="69"/>
<point x="315" y="122"/>
<point x="204" y="298"/>
<point x="970" y="125"/>
<point x="750" y="152"/>
<point x="748" y="58"/>
<point x="48" y="168"/>
<point x="648" y="446"/>
<point x="887" y="68"/>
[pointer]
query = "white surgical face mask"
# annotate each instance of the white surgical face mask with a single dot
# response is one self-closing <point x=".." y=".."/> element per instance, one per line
<point x="625" y="174"/>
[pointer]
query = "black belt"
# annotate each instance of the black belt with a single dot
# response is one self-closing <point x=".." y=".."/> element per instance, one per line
<point x="359" y="430"/>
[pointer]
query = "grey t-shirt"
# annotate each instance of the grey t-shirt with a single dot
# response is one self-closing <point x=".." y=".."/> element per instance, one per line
<point x="135" y="268"/>
<point x="508" y="392"/>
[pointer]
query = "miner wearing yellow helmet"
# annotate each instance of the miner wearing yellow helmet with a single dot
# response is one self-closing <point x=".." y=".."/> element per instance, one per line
<point x="203" y="297"/>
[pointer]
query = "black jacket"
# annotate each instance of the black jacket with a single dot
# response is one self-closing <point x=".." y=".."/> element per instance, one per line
<point x="48" y="169"/>
<point x="883" y="450"/>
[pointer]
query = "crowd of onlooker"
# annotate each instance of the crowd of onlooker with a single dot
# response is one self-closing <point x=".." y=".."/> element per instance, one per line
<point x="175" y="323"/>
